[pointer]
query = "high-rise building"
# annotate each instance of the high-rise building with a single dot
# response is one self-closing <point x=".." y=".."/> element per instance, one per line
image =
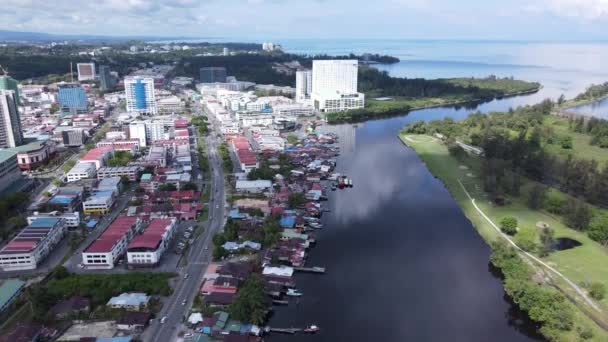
<point x="303" y="86"/>
<point x="139" y="92"/>
<point x="72" y="98"/>
<point x="213" y="75"/>
<point x="86" y="71"/>
<point x="334" y="85"/>
<point x="10" y="124"/>
<point x="9" y="83"/>
<point x="105" y="78"/>
<point x="226" y="51"/>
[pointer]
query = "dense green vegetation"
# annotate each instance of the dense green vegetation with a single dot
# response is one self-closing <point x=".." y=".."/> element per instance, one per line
<point x="537" y="229"/>
<point x="226" y="160"/>
<point x="120" y="158"/>
<point x="591" y="94"/>
<point x="11" y="207"/>
<point x="251" y="302"/>
<point x="97" y="287"/>
<point x="543" y="304"/>
<point x="408" y="94"/>
<point x="266" y="172"/>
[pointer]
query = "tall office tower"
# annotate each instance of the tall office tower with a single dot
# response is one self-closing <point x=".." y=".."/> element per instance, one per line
<point x="86" y="71"/>
<point x="72" y="98"/>
<point x="10" y="124"/>
<point x="213" y="75"/>
<point x="303" y="86"/>
<point x="334" y="85"/>
<point x="139" y="92"/>
<point x="9" y="83"/>
<point x="105" y="78"/>
<point x="226" y="52"/>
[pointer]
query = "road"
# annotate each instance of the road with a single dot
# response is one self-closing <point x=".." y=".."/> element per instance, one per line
<point x="199" y="257"/>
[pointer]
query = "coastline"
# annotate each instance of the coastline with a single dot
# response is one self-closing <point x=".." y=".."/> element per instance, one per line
<point x="569" y="106"/>
<point x="446" y="168"/>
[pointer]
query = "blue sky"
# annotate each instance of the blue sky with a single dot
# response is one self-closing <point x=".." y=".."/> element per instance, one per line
<point x="267" y="19"/>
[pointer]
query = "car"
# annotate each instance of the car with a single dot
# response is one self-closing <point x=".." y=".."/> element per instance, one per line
<point x="163" y="320"/>
<point x="184" y="302"/>
<point x="188" y="335"/>
<point x="186" y="276"/>
<point x="206" y="248"/>
<point x="217" y="206"/>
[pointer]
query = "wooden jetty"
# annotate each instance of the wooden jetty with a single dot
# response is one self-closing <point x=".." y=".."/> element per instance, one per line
<point x="315" y="269"/>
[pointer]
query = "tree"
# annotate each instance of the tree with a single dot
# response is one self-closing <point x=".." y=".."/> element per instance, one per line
<point x="219" y="253"/>
<point x="561" y="99"/>
<point x="508" y="225"/>
<point x="167" y="187"/>
<point x="68" y="165"/>
<point x="296" y="199"/>
<point x="598" y="229"/>
<point x="526" y="239"/>
<point x="250" y="303"/>
<point x="190" y="186"/>
<point x="597" y="291"/>
<point x="577" y="214"/>
<point x="567" y="143"/>
<point x="536" y="196"/>
<point x="292" y="139"/>
<point x="57" y="182"/>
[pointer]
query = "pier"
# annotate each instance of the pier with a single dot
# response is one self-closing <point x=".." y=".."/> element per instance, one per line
<point x="315" y="269"/>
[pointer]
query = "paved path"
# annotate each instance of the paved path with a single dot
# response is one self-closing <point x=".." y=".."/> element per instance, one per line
<point x="532" y="257"/>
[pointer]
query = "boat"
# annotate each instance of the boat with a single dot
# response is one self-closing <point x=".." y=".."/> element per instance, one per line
<point x="311" y="329"/>
<point x="293" y="293"/>
<point x="350" y="182"/>
<point x="341" y="183"/>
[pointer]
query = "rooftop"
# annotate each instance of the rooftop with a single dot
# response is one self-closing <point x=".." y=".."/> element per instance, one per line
<point x="8" y="288"/>
<point x="129" y="299"/>
<point x="113" y="233"/>
<point x="6" y="155"/>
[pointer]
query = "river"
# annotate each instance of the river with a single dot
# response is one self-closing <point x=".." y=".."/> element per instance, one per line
<point x="403" y="262"/>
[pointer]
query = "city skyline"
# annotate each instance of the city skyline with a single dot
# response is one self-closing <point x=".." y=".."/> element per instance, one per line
<point x="473" y="19"/>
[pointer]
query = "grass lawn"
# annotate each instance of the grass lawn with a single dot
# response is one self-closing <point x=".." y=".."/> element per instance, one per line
<point x="582" y="147"/>
<point x="584" y="263"/>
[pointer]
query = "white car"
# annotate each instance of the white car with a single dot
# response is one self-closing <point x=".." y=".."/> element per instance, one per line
<point x="163" y="320"/>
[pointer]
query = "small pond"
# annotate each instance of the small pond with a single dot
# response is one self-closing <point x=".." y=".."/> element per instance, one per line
<point x="561" y="244"/>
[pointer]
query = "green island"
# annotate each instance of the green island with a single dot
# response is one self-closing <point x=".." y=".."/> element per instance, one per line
<point x="389" y="96"/>
<point x="529" y="181"/>
<point x="593" y="93"/>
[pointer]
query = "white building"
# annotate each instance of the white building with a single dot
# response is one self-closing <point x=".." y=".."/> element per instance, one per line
<point x="334" y="85"/>
<point x="254" y="119"/>
<point x="86" y="71"/>
<point x="104" y="252"/>
<point x="72" y="220"/>
<point x="256" y="186"/>
<point x="32" y="244"/>
<point x="139" y="93"/>
<point x="296" y="109"/>
<point x="98" y="203"/>
<point x="81" y="171"/>
<point x="146" y="249"/>
<point x="137" y="130"/>
<point x="303" y="86"/>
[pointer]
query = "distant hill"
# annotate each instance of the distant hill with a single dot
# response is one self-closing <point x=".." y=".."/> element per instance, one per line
<point x="19" y="36"/>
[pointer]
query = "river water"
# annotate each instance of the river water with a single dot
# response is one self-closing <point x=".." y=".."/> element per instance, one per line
<point x="403" y="262"/>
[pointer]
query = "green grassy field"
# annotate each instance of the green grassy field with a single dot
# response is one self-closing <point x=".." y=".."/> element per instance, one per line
<point x="584" y="263"/>
<point x="581" y="148"/>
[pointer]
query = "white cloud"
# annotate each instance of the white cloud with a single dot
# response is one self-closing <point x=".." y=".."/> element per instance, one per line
<point x="586" y="9"/>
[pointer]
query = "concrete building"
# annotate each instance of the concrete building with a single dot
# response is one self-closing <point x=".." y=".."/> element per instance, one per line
<point x="10" y="289"/>
<point x="81" y="171"/>
<point x="147" y="249"/>
<point x="303" y="86"/>
<point x="72" y="98"/>
<point x="11" y="134"/>
<point x="137" y="130"/>
<point x="98" y="156"/>
<point x="9" y="169"/>
<point x="256" y="186"/>
<point x="334" y="85"/>
<point x="73" y="137"/>
<point x="213" y="75"/>
<point x="72" y="219"/>
<point x="86" y="71"/>
<point x="129" y="301"/>
<point x="131" y="172"/>
<point x="106" y="80"/>
<point x="32" y="244"/>
<point x="140" y="94"/>
<point x="104" y="252"/>
<point x="99" y="202"/>
<point x="34" y="154"/>
<point x="9" y="83"/>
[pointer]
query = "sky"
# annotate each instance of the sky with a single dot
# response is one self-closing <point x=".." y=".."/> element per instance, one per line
<point x="267" y="19"/>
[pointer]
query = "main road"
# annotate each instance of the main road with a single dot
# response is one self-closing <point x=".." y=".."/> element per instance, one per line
<point x="177" y="306"/>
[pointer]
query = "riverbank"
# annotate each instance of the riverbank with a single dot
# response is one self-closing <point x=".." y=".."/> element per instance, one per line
<point x="583" y="263"/>
<point x="378" y="109"/>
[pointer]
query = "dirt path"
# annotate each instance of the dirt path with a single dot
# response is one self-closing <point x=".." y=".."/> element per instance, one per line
<point x="576" y="288"/>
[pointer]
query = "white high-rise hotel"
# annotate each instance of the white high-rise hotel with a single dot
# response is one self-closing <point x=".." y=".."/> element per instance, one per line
<point x="334" y="85"/>
<point x="139" y="92"/>
<point x="303" y="86"/>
